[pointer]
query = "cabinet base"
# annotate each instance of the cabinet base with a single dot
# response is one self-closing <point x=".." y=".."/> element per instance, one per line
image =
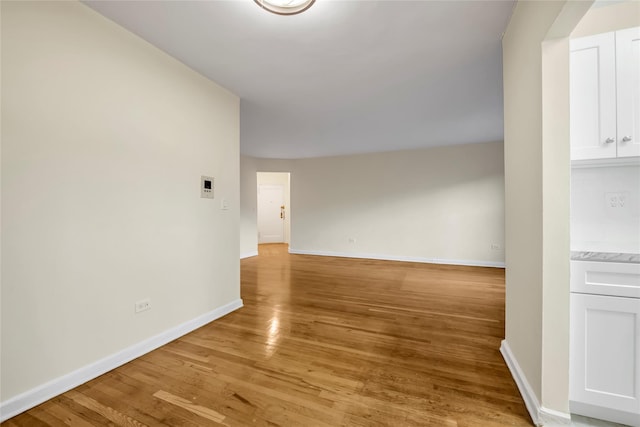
<point x="626" y="418"/>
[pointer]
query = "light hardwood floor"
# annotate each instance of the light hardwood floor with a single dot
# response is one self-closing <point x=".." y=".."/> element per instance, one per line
<point x="321" y="342"/>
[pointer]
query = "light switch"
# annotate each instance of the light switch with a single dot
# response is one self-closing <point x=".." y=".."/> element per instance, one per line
<point x="206" y="187"/>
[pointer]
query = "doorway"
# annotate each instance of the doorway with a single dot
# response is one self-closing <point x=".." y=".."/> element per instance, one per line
<point x="273" y="207"/>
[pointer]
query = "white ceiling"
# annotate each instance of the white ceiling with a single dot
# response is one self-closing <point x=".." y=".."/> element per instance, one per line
<point x="344" y="76"/>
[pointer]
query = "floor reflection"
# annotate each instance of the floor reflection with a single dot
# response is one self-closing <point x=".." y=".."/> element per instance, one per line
<point x="273" y="334"/>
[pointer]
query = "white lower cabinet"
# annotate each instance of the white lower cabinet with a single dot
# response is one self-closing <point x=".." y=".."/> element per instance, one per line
<point x="606" y="278"/>
<point x="605" y="357"/>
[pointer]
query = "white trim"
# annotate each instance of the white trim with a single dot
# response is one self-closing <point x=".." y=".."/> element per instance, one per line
<point x="473" y="263"/>
<point x="601" y="413"/>
<point x="44" y="392"/>
<point x="529" y="397"/>
<point x="605" y="163"/>
<point x="551" y="417"/>
<point x="248" y="254"/>
<point x="540" y="415"/>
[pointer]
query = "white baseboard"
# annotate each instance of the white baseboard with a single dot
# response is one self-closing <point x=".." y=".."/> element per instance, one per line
<point x="44" y="392"/>
<point x="529" y="397"/>
<point x="600" y="413"/>
<point x="473" y="263"/>
<point x="540" y="415"/>
<point x="248" y="254"/>
<point x="551" y="417"/>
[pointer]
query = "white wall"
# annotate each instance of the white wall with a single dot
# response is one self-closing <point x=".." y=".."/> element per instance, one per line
<point x="438" y="204"/>
<point x="279" y="178"/>
<point x="595" y="224"/>
<point x="104" y="139"/>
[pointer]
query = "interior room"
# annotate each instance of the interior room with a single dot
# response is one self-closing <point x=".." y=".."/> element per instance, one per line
<point x="319" y="212"/>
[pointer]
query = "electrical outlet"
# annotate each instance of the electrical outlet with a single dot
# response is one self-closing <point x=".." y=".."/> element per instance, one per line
<point x="352" y="240"/>
<point x="622" y="199"/>
<point x="496" y="247"/>
<point x="615" y="200"/>
<point x="143" y="305"/>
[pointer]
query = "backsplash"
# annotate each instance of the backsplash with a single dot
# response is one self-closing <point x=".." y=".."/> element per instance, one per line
<point x="605" y="209"/>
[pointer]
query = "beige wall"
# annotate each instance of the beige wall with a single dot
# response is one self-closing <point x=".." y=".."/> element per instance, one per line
<point x="555" y="224"/>
<point x="439" y="204"/>
<point x="536" y="103"/>
<point x="248" y="207"/>
<point x="523" y="183"/>
<point x="1" y="209"/>
<point x="434" y="204"/>
<point x="104" y="139"/>
<point x="603" y="19"/>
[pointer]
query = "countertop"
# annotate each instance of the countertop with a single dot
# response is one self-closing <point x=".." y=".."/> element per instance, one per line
<point x="605" y="257"/>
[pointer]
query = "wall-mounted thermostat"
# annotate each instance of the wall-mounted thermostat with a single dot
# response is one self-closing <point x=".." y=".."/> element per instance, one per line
<point x="206" y="187"/>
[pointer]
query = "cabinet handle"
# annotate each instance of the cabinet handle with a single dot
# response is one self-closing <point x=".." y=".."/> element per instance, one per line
<point x="609" y="140"/>
<point x="626" y="138"/>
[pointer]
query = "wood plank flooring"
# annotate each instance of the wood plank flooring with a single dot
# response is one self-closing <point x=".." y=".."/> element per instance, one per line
<point x="321" y="342"/>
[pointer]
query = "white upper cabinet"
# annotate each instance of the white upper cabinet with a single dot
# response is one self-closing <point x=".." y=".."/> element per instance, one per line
<point x="628" y="91"/>
<point x="593" y="97"/>
<point x="605" y="95"/>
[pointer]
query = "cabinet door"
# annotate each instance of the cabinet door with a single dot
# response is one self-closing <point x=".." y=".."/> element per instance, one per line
<point x="628" y="82"/>
<point x="593" y="97"/>
<point x="605" y="350"/>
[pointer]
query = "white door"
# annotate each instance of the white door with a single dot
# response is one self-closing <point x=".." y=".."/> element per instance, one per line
<point x="605" y="345"/>
<point x="593" y="97"/>
<point x="628" y="81"/>
<point x="270" y="213"/>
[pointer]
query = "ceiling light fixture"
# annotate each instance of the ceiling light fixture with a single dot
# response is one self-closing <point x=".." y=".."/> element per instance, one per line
<point x="285" y="7"/>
